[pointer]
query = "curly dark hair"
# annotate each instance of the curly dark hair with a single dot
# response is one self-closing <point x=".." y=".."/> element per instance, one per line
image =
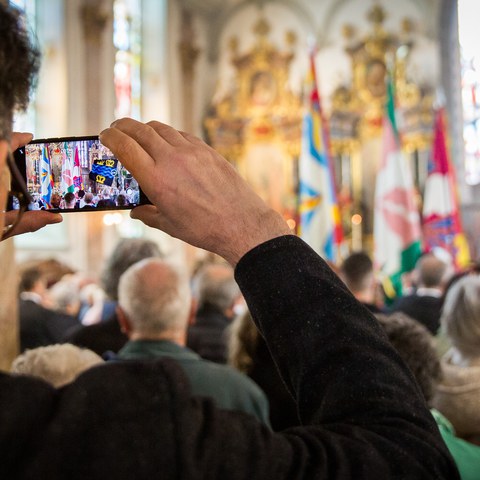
<point x="19" y="65"/>
<point x="415" y="344"/>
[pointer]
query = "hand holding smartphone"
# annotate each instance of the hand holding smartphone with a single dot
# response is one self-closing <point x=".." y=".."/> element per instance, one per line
<point x="76" y="174"/>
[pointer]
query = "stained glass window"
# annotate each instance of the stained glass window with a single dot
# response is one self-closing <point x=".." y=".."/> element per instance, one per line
<point x="25" y="121"/>
<point x="468" y="34"/>
<point x="127" y="71"/>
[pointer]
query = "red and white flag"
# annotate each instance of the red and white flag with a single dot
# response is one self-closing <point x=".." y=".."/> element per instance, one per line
<point x="442" y="226"/>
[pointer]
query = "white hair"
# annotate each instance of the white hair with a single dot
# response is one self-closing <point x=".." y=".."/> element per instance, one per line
<point x="155" y="297"/>
<point x="461" y="315"/>
<point x="56" y="364"/>
<point x="65" y="293"/>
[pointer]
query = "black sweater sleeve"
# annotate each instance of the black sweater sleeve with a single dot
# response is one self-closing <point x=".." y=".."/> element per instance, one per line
<point x="364" y="418"/>
<point x="337" y="362"/>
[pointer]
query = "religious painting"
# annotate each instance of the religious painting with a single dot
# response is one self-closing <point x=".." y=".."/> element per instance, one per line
<point x="375" y="78"/>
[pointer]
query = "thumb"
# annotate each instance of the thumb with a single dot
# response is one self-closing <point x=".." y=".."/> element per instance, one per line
<point x="148" y="214"/>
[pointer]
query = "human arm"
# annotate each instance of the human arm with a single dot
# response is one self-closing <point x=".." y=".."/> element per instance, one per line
<point x="364" y="414"/>
<point x="30" y="221"/>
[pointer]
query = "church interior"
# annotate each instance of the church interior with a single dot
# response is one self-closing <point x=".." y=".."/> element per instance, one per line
<point x="233" y="73"/>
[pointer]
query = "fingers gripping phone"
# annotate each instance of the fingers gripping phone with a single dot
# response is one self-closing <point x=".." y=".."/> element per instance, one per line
<point x="76" y="174"/>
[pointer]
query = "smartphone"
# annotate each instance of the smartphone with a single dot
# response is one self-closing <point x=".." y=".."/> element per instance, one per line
<point x="76" y="174"/>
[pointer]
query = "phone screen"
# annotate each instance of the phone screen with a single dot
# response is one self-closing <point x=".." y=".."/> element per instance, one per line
<point x="76" y="174"/>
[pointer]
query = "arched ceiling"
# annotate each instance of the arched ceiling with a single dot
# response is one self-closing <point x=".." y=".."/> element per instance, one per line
<point x="218" y="12"/>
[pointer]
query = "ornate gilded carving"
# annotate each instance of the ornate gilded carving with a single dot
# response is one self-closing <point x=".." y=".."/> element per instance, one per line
<point x="261" y="105"/>
<point x="261" y="109"/>
<point x="357" y="109"/>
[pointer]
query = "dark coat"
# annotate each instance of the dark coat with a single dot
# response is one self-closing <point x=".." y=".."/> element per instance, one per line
<point x="40" y="326"/>
<point x="425" y="309"/>
<point x="364" y="416"/>
<point x="207" y="335"/>
<point x="100" y="337"/>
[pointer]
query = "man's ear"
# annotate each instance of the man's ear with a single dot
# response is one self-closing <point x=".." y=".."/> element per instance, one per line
<point x="125" y="326"/>
<point x="4" y="146"/>
<point x="193" y="312"/>
<point x="4" y="179"/>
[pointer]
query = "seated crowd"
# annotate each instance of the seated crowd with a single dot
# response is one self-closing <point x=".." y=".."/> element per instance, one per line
<point x="144" y="308"/>
<point x="152" y="407"/>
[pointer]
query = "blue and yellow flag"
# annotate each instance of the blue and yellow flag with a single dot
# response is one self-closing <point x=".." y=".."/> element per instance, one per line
<point x="320" y="224"/>
<point x="46" y="181"/>
<point x="103" y="171"/>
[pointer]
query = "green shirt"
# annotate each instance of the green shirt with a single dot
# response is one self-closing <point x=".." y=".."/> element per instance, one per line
<point x="465" y="454"/>
<point x="231" y="390"/>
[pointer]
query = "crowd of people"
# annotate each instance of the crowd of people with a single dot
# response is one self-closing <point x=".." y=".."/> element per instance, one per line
<point x="105" y="198"/>
<point x="150" y="406"/>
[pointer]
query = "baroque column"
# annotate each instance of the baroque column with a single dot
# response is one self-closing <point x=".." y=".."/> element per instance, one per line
<point x="188" y="58"/>
<point x="95" y="16"/>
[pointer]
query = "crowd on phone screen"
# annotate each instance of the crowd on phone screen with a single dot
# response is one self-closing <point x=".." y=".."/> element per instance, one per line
<point x="107" y="197"/>
<point x="135" y="399"/>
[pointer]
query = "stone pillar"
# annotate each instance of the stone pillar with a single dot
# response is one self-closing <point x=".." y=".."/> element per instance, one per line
<point x="188" y="58"/>
<point x="95" y="17"/>
<point x="9" y="305"/>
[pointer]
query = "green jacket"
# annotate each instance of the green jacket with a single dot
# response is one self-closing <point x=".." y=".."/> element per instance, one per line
<point x="231" y="390"/>
<point x="465" y="454"/>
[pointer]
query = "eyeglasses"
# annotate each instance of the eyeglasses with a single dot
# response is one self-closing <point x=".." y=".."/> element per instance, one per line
<point x="18" y="196"/>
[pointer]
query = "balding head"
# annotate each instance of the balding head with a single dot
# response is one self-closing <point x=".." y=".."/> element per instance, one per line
<point x="155" y="298"/>
<point x="431" y="271"/>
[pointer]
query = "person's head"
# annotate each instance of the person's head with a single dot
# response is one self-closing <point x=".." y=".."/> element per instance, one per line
<point x="55" y="200"/>
<point x="56" y="364"/>
<point x="357" y="273"/>
<point x="19" y="64"/>
<point x="126" y="253"/>
<point x="69" y="200"/>
<point x="121" y="200"/>
<point x="154" y="301"/>
<point x="32" y="279"/>
<point x="431" y="271"/>
<point x="105" y="203"/>
<point x="81" y="194"/>
<point x="53" y="270"/>
<point x="65" y="295"/>
<point x="88" y="199"/>
<point x="416" y="346"/>
<point x="215" y="285"/>
<point x="460" y="318"/>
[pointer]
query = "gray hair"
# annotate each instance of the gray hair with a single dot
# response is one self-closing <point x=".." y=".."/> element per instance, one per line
<point x="461" y="315"/>
<point x="65" y="293"/>
<point x="56" y="364"/>
<point x="126" y="253"/>
<point x="432" y="271"/>
<point x="155" y="297"/>
<point x="215" y="285"/>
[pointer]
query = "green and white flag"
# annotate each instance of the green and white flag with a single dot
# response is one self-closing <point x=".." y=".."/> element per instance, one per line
<point x="397" y="231"/>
